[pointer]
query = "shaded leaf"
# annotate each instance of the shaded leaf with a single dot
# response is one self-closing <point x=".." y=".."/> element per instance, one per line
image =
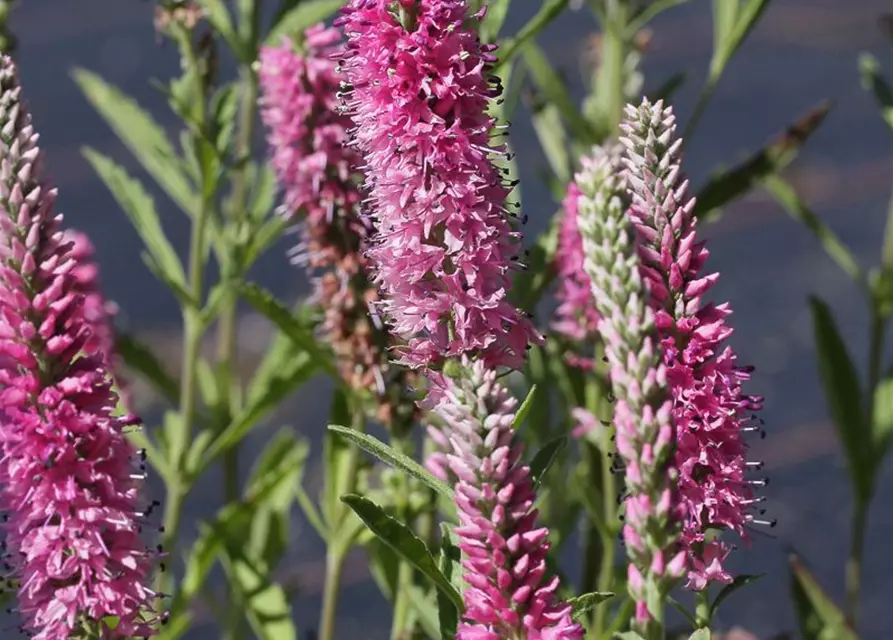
<point x="139" y="357"/>
<point x="882" y="427"/>
<point x="700" y="634"/>
<point x="394" y="458"/>
<point x="779" y="153"/>
<point x="729" y="589"/>
<point x="266" y="303"/>
<point x="278" y="387"/>
<point x="819" y="617"/>
<point x="870" y="73"/>
<point x="842" y="392"/>
<point x="544" y="459"/>
<point x="401" y="538"/>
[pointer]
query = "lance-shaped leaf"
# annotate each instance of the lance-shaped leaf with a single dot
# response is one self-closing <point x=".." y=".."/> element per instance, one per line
<point x="146" y="140"/>
<point x="401" y="538"/>
<point x="870" y="73"/>
<point x="843" y="394"/>
<point x="819" y="617"/>
<point x="297" y="19"/>
<point x="549" y="10"/>
<point x="394" y="458"/>
<point x="730" y="185"/>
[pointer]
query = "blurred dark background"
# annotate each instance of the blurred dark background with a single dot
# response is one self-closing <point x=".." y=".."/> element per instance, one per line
<point x="802" y="51"/>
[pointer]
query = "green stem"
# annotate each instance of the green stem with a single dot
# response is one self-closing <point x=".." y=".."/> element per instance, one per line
<point x="334" y="568"/>
<point x="400" y="623"/>
<point x="611" y="79"/>
<point x="337" y="549"/>
<point x="193" y="334"/>
<point x="854" y="563"/>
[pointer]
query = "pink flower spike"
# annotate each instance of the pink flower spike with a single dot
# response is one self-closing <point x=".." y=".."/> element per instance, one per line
<point x="420" y="84"/>
<point x="70" y="479"/>
<point x="710" y="410"/>
<point x="638" y="379"/>
<point x="508" y="594"/>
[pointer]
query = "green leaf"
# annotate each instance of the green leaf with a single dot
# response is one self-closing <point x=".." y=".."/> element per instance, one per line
<point x="732" y="23"/>
<point x="139" y="357"/>
<point x="700" y="634"/>
<point x="582" y="605"/>
<point x="264" y="302"/>
<point x="549" y="10"/>
<point x="278" y="387"/>
<point x="544" y="459"/>
<point x="870" y="73"/>
<point x="140" y="210"/>
<point x="265" y="602"/>
<point x="145" y="139"/>
<point x="424" y="606"/>
<point x="450" y="559"/>
<point x="296" y="21"/>
<point x="553" y="140"/>
<point x="732" y="587"/>
<point x="797" y="209"/>
<point x="394" y="458"/>
<point x="497" y="10"/>
<point x="549" y="82"/>
<point x="882" y="417"/>
<point x="628" y="635"/>
<point x="649" y="12"/>
<point x="842" y="392"/>
<point x="819" y="618"/>
<point x="524" y="409"/>
<point x="779" y="153"/>
<point x="225" y="531"/>
<point x="218" y="15"/>
<point x="401" y="538"/>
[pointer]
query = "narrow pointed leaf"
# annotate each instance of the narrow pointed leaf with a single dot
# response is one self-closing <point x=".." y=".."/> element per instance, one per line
<point x="146" y="140"/>
<point x="870" y="72"/>
<point x="394" y="458"/>
<point x="732" y="587"/>
<point x="819" y="617"/>
<point x="524" y="409"/>
<point x="549" y="10"/>
<point x="730" y="185"/>
<point x="544" y="459"/>
<point x="797" y="209"/>
<point x="843" y="394"/>
<point x="139" y="357"/>
<point x="401" y="538"/>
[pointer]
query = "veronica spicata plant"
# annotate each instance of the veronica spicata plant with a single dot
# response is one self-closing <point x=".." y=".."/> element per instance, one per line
<point x="391" y="179"/>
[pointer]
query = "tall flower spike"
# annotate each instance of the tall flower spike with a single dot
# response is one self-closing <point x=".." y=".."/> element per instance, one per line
<point x="509" y="595"/>
<point x="642" y="410"/>
<point x="710" y="411"/>
<point x="70" y="489"/>
<point x="315" y="169"/>
<point x="419" y="86"/>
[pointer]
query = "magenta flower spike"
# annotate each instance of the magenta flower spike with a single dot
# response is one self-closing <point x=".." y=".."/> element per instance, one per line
<point x="419" y="85"/>
<point x="710" y="411"/>
<point x="642" y="411"/>
<point x="70" y="479"/>
<point x="509" y="596"/>
<point x="307" y="133"/>
<point x="315" y="168"/>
